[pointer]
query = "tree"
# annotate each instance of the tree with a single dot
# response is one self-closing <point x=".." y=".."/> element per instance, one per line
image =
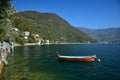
<point x="6" y="11"/>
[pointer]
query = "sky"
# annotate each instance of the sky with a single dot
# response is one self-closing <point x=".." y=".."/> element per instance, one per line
<point x="93" y="14"/>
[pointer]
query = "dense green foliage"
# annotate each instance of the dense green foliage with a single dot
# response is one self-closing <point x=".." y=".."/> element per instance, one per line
<point x="109" y="34"/>
<point x="52" y="27"/>
<point x="6" y="11"/>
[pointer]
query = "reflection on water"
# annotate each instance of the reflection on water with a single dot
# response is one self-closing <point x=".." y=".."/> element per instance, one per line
<point x="26" y="52"/>
<point x="40" y="63"/>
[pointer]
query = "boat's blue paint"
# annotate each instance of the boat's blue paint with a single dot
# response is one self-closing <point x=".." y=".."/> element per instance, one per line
<point x="61" y="56"/>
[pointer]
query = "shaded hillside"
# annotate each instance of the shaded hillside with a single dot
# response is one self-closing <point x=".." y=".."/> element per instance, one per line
<point x="109" y="34"/>
<point x="22" y="24"/>
<point x="54" y="28"/>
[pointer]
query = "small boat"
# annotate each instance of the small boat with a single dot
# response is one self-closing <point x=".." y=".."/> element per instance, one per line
<point x="77" y="58"/>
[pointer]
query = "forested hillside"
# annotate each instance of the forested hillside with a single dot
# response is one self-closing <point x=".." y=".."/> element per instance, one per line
<point x="52" y="27"/>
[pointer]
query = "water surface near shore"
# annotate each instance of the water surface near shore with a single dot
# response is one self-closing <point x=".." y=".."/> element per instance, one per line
<point x="40" y="62"/>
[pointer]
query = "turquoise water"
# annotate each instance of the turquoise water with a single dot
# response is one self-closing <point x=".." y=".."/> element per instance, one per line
<point x="40" y="63"/>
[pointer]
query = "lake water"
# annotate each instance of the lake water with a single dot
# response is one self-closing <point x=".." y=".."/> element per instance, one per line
<point x="40" y="63"/>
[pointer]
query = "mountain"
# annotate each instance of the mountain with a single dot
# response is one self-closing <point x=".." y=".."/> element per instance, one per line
<point x="54" y="28"/>
<point x="109" y="34"/>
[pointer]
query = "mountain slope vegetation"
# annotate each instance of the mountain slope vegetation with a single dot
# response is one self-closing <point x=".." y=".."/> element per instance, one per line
<point x="52" y="27"/>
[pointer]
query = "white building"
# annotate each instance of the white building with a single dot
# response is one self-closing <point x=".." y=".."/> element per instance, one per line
<point x="26" y="33"/>
<point x="35" y="35"/>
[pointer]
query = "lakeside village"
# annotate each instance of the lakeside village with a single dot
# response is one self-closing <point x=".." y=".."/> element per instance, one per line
<point x="26" y="36"/>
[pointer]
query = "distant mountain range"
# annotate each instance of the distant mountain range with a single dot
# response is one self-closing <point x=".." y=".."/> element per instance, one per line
<point x="54" y="28"/>
<point x="103" y="35"/>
